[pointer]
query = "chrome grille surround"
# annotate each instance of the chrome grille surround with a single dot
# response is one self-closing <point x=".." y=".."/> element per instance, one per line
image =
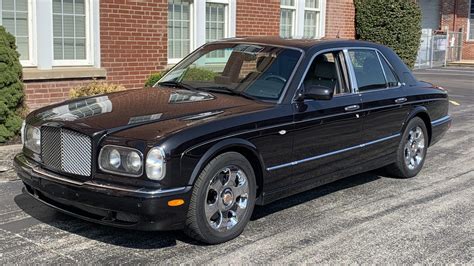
<point x="66" y="151"/>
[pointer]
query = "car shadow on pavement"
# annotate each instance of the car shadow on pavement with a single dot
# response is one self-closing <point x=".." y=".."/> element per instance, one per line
<point x="106" y="234"/>
<point x="285" y="203"/>
<point x="157" y="240"/>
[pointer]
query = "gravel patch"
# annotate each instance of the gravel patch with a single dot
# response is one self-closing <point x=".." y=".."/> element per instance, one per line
<point x="6" y="161"/>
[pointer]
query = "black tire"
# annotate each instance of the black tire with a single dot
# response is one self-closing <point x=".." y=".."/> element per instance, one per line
<point x="197" y="226"/>
<point x="400" y="168"/>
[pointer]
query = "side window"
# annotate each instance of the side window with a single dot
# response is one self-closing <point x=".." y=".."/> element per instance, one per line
<point x="392" y="80"/>
<point x="367" y="68"/>
<point x="326" y="71"/>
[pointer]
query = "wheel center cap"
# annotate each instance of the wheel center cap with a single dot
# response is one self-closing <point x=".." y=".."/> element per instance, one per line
<point x="227" y="197"/>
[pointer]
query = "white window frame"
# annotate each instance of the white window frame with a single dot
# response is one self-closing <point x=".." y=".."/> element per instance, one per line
<point x="300" y="8"/>
<point x="317" y="34"/>
<point x="89" y="40"/>
<point x="38" y="11"/>
<point x="31" y="33"/>
<point x="295" y="15"/>
<point x="468" y="31"/>
<point x="173" y="61"/>
<point x="198" y="23"/>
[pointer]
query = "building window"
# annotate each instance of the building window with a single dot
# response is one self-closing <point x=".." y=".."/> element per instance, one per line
<point x="471" y="21"/>
<point x="311" y="19"/>
<point x="287" y="18"/>
<point x="15" y="17"/>
<point x="179" y="29"/>
<point x="301" y="18"/>
<point x="193" y="23"/>
<point x="70" y="43"/>
<point x="216" y="25"/>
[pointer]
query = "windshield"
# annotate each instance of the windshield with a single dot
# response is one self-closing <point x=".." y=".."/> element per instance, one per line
<point x="254" y="71"/>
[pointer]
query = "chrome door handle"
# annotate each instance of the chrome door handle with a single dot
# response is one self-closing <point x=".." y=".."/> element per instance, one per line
<point x="401" y="100"/>
<point x="352" y="107"/>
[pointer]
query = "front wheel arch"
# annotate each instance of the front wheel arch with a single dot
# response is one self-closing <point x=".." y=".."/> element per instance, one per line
<point x="242" y="146"/>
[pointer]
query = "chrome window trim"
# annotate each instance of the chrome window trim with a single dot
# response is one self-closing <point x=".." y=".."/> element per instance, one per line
<point x="352" y="77"/>
<point x="383" y="70"/>
<point x="307" y="69"/>
<point x="377" y="51"/>
<point x="293" y="163"/>
<point x="120" y="173"/>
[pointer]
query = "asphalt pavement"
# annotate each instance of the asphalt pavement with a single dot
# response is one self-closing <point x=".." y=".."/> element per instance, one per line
<point x="365" y="218"/>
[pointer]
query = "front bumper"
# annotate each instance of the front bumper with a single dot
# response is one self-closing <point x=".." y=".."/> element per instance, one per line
<point x="119" y="206"/>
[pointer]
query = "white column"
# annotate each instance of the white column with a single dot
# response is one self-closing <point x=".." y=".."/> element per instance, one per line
<point x="44" y="23"/>
<point x="199" y="23"/>
<point x="95" y="30"/>
<point x="232" y="17"/>
<point x="299" y="21"/>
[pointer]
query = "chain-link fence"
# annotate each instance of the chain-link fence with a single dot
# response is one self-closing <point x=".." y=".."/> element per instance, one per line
<point x="432" y="52"/>
<point x="454" y="52"/>
<point x="437" y="50"/>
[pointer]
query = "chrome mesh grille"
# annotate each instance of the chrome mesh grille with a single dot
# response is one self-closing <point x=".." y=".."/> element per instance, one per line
<point x="66" y="150"/>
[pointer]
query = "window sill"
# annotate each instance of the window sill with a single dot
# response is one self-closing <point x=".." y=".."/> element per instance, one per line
<point x="63" y="73"/>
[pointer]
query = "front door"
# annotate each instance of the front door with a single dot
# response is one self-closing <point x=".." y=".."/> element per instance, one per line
<point x="327" y="132"/>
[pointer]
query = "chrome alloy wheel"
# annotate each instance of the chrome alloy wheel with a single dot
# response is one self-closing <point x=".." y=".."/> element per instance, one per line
<point x="227" y="198"/>
<point x="414" y="148"/>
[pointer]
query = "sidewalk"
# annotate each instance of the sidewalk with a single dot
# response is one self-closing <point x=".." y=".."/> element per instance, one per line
<point x="6" y="161"/>
<point x="462" y="63"/>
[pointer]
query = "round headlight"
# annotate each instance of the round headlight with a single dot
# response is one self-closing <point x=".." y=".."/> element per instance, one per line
<point x="114" y="158"/>
<point x="155" y="164"/>
<point x="134" y="162"/>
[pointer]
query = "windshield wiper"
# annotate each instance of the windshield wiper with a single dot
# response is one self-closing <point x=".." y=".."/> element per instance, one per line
<point x="223" y="89"/>
<point x="177" y="84"/>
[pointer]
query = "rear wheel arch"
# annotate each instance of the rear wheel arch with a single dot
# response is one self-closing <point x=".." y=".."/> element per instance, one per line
<point x="421" y="112"/>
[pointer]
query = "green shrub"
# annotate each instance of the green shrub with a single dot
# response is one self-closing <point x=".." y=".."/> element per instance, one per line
<point x="394" y="23"/>
<point x="11" y="87"/>
<point x="94" y="88"/>
<point x="192" y="74"/>
<point x="199" y="74"/>
<point x="153" y="78"/>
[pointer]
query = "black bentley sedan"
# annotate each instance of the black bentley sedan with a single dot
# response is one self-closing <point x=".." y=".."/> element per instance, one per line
<point x="238" y="122"/>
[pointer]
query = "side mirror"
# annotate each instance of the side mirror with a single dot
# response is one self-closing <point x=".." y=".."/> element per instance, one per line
<point x="317" y="92"/>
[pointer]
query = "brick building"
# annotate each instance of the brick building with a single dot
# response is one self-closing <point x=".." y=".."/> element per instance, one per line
<point x="458" y="16"/>
<point x="448" y="16"/>
<point x="66" y="43"/>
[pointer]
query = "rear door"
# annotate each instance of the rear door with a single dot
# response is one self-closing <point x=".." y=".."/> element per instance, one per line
<point x="383" y="101"/>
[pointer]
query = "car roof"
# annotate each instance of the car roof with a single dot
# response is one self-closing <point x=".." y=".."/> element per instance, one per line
<point x="303" y="44"/>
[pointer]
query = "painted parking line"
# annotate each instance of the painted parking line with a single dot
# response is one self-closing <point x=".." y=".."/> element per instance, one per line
<point x="444" y="74"/>
<point x="454" y="102"/>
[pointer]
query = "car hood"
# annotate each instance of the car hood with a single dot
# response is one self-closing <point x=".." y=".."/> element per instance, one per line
<point x="120" y="111"/>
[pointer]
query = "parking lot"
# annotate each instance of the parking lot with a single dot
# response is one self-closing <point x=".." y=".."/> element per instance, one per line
<point x="363" y="218"/>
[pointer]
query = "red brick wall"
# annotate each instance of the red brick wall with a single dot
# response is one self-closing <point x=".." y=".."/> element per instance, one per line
<point x="258" y="17"/>
<point x="133" y="39"/>
<point x="455" y="18"/>
<point x="41" y="93"/>
<point x="340" y="15"/>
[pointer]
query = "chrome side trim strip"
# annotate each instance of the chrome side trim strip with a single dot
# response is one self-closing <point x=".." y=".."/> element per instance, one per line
<point x="440" y="121"/>
<point x="332" y="153"/>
